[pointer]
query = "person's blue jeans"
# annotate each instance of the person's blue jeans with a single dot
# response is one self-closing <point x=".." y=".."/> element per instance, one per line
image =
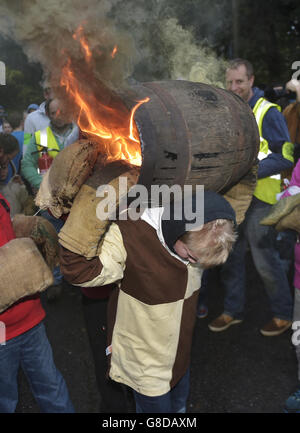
<point x="57" y="224"/>
<point x="32" y="351"/>
<point x="262" y="243"/>
<point x="173" y="401"/>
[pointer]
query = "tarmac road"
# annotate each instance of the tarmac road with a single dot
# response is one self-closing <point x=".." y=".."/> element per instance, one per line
<point x="235" y="371"/>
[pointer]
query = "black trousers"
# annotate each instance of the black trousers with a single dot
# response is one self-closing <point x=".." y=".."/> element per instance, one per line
<point x="114" y="396"/>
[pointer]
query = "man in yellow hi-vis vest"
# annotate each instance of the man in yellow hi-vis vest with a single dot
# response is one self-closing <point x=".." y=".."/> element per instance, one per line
<point x="59" y="134"/>
<point x="275" y="155"/>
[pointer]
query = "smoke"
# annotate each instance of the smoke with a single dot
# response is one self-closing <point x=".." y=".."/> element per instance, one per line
<point x="151" y="44"/>
<point x="166" y="50"/>
<point x="46" y="29"/>
<point x="189" y="60"/>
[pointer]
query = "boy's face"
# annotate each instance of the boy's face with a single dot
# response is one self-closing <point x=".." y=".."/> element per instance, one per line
<point x="7" y="129"/>
<point x="184" y="252"/>
<point x="6" y="157"/>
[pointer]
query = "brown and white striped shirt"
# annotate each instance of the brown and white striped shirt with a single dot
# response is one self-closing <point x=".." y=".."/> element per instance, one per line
<point x="152" y="313"/>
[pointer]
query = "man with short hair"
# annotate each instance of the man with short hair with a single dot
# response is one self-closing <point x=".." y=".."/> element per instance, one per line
<point x="275" y="155"/>
<point x="60" y="133"/>
<point x="157" y="262"/>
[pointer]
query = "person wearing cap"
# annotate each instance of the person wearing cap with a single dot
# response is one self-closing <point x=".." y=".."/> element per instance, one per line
<point x="157" y="261"/>
<point x="31" y="108"/>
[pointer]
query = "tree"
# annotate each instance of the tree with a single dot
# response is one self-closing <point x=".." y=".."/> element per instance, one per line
<point x="17" y="94"/>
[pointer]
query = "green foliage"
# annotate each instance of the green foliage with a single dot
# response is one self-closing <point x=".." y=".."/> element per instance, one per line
<point x="270" y="37"/>
<point x="18" y="92"/>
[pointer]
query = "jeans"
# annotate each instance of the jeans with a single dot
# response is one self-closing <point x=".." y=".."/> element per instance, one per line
<point x="262" y="243"/>
<point x="57" y="224"/>
<point x="173" y="401"/>
<point x="32" y="351"/>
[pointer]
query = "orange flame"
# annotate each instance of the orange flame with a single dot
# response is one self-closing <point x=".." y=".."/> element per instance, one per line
<point x="78" y="35"/>
<point x="114" y="51"/>
<point x="108" y="124"/>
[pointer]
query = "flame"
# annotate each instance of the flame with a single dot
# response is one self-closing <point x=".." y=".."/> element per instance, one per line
<point x="109" y="124"/>
<point x="114" y="51"/>
<point x="131" y="128"/>
<point x="78" y="35"/>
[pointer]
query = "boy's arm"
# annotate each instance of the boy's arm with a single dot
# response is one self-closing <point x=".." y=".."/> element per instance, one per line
<point x="106" y="269"/>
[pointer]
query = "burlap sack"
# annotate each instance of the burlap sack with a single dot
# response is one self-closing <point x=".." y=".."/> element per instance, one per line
<point x="69" y="170"/>
<point x="23" y="271"/>
<point x="84" y="229"/>
<point x="42" y="233"/>
<point x="29" y="206"/>
<point x="241" y="194"/>
<point x="290" y="221"/>
<point x="16" y="194"/>
<point x="281" y="209"/>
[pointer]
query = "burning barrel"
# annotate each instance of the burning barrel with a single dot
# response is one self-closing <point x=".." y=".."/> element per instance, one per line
<point x="185" y="134"/>
<point x="193" y="133"/>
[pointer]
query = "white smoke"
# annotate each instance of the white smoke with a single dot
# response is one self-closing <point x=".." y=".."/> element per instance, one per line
<point x="150" y="45"/>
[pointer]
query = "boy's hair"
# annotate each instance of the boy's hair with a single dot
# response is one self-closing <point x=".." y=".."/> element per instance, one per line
<point x="211" y="244"/>
<point x="8" y="143"/>
<point x="15" y="119"/>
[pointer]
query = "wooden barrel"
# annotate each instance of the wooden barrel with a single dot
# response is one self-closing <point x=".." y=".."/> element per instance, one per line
<point x="193" y="133"/>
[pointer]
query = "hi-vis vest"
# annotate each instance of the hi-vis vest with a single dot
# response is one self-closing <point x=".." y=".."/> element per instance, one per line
<point x="45" y="138"/>
<point x="267" y="188"/>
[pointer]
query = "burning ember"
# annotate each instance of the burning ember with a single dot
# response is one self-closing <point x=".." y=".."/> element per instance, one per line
<point x="99" y="114"/>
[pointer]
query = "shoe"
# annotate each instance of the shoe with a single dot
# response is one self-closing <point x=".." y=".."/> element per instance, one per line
<point x="275" y="327"/>
<point x="223" y="322"/>
<point x="53" y="293"/>
<point x="292" y="404"/>
<point x="202" y="311"/>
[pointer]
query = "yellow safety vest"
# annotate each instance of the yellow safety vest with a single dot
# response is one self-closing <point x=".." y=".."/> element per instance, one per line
<point x="45" y="138"/>
<point x="267" y="188"/>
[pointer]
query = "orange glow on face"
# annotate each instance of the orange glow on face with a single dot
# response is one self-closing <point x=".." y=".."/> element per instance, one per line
<point x="105" y="121"/>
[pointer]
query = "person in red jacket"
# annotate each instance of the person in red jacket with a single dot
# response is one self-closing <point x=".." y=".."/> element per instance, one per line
<point x="24" y="343"/>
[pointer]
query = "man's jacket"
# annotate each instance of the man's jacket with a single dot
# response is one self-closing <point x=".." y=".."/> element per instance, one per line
<point x="29" y="165"/>
<point x="276" y="150"/>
